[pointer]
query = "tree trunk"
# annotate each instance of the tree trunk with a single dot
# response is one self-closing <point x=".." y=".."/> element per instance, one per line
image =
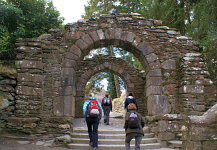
<point x="117" y="85"/>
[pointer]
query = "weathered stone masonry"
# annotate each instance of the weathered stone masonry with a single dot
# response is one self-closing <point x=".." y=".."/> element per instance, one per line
<point x="50" y="86"/>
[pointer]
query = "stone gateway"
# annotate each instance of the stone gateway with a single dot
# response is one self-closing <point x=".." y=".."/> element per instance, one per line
<point x="52" y="75"/>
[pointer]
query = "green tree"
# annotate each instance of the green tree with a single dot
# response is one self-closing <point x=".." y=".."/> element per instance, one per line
<point x="203" y="29"/>
<point x="25" y="19"/>
<point x="97" y="7"/>
<point x="111" y="86"/>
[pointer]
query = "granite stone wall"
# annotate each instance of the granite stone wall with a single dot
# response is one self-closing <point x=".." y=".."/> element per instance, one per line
<point x="50" y="88"/>
<point x="7" y="97"/>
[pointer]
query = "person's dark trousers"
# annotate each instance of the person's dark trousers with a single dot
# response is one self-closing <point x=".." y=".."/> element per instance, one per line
<point x="138" y="139"/>
<point x="107" y="110"/>
<point x="92" y="125"/>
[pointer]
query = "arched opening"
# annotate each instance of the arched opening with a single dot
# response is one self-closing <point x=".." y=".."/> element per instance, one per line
<point x="133" y="78"/>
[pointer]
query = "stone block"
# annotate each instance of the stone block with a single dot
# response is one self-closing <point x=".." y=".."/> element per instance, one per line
<point x="69" y="105"/>
<point x="166" y="136"/>
<point x="67" y="72"/>
<point x="111" y="33"/>
<point x="81" y="44"/>
<point x="58" y="106"/>
<point x="158" y="22"/>
<point x="154" y="65"/>
<point x="158" y="104"/>
<point x="30" y="91"/>
<point x="153" y="90"/>
<point x="192" y="89"/>
<point x="87" y="39"/>
<point x="27" y="64"/>
<point x="71" y="56"/>
<point x="153" y="81"/>
<point x="144" y="23"/>
<point x="29" y="125"/>
<point x="162" y="126"/>
<point x="137" y="41"/>
<point x="154" y="73"/>
<point x="27" y="77"/>
<point x="130" y="37"/>
<point x="169" y="64"/>
<point x="16" y="120"/>
<point x="67" y="90"/>
<point x="100" y="34"/>
<point x="68" y="81"/>
<point x="200" y="108"/>
<point x="68" y="63"/>
<point x="151" y="57"/>
<point x="124" y="35"/>
<point x="118" y="32"/>
<point x="107" y="36"/>
<point x="75" y="50"/>
<point x="94" y="36"/>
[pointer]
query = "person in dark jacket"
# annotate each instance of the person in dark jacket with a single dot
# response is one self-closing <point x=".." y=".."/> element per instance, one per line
<point x="107" y="107"/>
<point x="129" y="100"/>
<point x="131" y="133"/>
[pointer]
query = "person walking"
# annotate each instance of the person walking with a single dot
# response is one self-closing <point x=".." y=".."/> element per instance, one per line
<point x="107" y="107"/>
<point x="93" y="112"/>
<point x="133" y="127"/>
<point x="129" y="100"/>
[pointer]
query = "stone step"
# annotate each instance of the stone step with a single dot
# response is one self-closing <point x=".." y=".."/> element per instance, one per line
<point x="113" y="147"/>
<point x="113" y="141"/>
<point x="101" y="131"/>
<point x="108" y="136"/>
<point x="175" y="144"/>
<point x="119" y="131"/>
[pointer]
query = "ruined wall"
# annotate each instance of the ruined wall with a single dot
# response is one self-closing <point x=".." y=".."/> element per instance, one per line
<point x="199" y="132"/>
<point x="7" y="97"/>
<point x="176" y="77"/>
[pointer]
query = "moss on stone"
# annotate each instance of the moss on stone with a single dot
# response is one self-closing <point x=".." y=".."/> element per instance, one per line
<point x="7" y="71"/>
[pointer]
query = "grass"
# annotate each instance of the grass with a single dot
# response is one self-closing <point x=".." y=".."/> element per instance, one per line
<point x="6" y="70"/>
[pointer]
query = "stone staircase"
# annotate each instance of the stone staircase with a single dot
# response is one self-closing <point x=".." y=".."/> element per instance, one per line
<point x="111" y="140"/>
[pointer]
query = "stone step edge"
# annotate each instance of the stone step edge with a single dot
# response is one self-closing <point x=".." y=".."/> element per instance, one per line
<point x="108" y="134"/>
<point x="120" y="145"/>
<point x="145" y="129"/>
<point x="87" y="139"/>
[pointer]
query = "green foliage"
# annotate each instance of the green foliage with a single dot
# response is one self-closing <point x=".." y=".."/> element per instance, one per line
<point x="98" y="7"/>
<point x="111" y="86"/>
<point x="24" y="19"/>
<point x="203" y="29"/>
<point x="94" y="84"/>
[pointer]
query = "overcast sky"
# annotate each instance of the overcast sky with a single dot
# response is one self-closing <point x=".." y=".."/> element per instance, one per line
<point x="71" y="10"/>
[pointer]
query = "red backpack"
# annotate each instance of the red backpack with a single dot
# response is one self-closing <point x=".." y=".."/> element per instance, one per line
<point x="93" y="109"/>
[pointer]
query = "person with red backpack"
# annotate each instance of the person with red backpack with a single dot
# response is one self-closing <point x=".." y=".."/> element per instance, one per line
<point x="93" y="112"/>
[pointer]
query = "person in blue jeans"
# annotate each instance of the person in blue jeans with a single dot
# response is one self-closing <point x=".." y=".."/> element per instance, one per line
<point x="92" y="120"/>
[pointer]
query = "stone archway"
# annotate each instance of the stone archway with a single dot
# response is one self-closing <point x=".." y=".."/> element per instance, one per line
<point x="133" y="78"/>
<point x="176" y="76"/>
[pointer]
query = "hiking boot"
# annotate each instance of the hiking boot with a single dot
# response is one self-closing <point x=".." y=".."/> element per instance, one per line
<point x="95" y="148"/>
